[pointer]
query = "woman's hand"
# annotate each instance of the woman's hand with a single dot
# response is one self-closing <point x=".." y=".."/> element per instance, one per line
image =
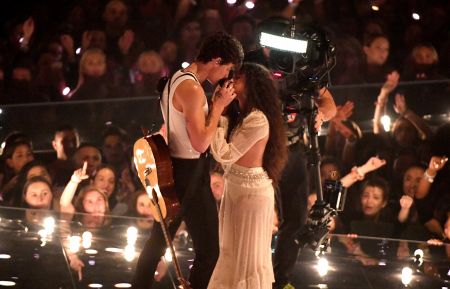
<point x="80" y="174"/>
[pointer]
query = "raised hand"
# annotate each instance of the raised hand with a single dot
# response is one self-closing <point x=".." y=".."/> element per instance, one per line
<point x="28" y="28"/>
<point x="344" y="112"/>
<point x="436" y="164"/>
<point x="406" y="202"/>
<point x="125" y="41"/>
<point x="224" y="95"/>
<point x="86" y="40"/>
<point x="400" y="104"/>
<point x="372" y="164"/>
<point x="391" y="82"/>
<point x="77" y="265"/>
<point x="80" y="174"/>
<point x="67" y="43"/>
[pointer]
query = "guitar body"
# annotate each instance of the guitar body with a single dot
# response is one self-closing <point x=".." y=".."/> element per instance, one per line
<point x="151" y="155"/>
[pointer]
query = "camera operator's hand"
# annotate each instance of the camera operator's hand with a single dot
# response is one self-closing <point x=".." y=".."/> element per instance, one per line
<point x="224" y="95"/>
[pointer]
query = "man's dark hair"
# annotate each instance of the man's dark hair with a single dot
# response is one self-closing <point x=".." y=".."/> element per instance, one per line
<point x="115" y="130"/>
<point x="65" y="127"/>
<point x="221" y="45"/>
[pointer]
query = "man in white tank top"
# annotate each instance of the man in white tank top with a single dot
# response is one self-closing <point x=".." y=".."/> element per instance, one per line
<point x="191" y="127"/>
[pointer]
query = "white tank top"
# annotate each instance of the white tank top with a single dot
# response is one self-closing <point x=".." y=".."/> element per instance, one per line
<point x="179" y="143"/>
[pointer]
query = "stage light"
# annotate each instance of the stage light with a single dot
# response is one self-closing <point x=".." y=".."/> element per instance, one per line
<point x="1" y="111"/>
<point x="283" y="43"/>
<point x="5" y="256"/>
<point x="49" y="225"/>
<point x="91" y="251"/>
<point x="78" y="51"/>
<point x="322" y="266"/>
<point x="74" y="243"/>
<point x="113" y="250"/>
<point x="122" y="285"/>
<point x="386" y="122"/>
<point x="132" y="234"/>
<point x="231" y="2"/>
<point x="95" y="285"/>
<point x="375" y="8"/>
<point x="129" y="253"/>
<point x="66" y="91"/>
<point x="185" y="64"/>
<point x="416" y="16"/>
<point x="168" y="255"/>
<point x="406" y="275"/>
<point x="7" y="283"/>
<point x="87" y="239"/>
<point x="249" y="4"/>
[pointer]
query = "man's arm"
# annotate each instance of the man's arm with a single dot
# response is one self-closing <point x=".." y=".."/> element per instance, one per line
<point x="192" y="98"/>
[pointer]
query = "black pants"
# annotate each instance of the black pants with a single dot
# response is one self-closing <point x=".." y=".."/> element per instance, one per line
<point x="200" y="215"/>
<point x="293" y="193"/>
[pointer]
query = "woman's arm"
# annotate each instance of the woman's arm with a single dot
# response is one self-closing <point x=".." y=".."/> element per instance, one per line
<point x="70" y="189"/>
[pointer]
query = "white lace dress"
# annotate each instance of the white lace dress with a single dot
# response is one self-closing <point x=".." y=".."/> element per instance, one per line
<point x="246" y="211"/>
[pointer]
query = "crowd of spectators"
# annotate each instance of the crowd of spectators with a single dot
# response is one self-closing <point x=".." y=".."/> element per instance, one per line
<point x="81" y="50"/>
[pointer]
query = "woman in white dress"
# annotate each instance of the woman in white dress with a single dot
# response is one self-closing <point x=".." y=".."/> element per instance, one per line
<point x="252" y="153"/>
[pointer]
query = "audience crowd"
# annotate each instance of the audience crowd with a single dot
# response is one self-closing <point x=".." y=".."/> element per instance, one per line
<point x="397" y="176"/>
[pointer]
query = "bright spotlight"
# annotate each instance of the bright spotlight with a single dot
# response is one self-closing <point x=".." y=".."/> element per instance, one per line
<point x="132" y="234"/>
<point x="386" y="122"/>
<point x="406" y="275"/>
<point x="66" y="91"/>
<point x="78" y="51"/>
<point x="283" y="43"/>
<point x="168" y="255"/>
<point x="231" y="2"/>
<point x="416" y="16"/>
<point x="184" y="64"/>
<point x="375" y="8"/>
<point x="249" y="5"/>
<point x="322" y="266"/>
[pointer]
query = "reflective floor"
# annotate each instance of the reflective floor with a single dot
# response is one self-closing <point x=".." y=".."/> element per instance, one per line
<point x="40" y="249"/>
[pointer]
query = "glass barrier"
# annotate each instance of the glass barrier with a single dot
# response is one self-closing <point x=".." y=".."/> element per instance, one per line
<point x="43" y="249"/>
<point x="427" y="98"/>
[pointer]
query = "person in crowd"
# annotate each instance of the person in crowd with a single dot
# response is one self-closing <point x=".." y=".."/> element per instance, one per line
<point x="88" y="153"/>
<point x="90" y="200"/>
<point x="253" y="153"/>
<point x="21" y="87"/>
<point x="376" y="49"/>
<point x="149" y="69"/>
<point x="15" y="156"/>
<point x="243" y="28"/>
<point x="190" y="129"/>
<point x="66" y="141"/>
<point x="423" y="63"/>
<point x="37" y="194"/>
<point x="374" y="210"/>
<point x="12" y="194"/>
<point x="93" y="80"/>
<point x="189" y="37"/>
<point x="169" y="54"/>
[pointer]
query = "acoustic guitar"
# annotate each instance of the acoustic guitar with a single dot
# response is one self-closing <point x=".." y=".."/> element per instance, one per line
<point x="154" y="168"/>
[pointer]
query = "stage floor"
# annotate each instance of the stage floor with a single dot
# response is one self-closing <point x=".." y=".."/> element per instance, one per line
<point x="34" y="254"/>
